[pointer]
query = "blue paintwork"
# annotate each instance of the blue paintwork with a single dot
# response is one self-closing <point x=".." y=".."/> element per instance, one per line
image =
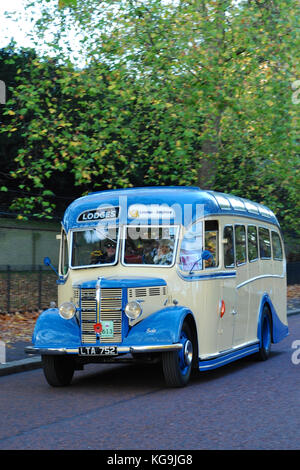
<point x="224" y="359"/>
<point x="52" y="331"/>
<point x="199" y="277"/>
<point x="266" y="333"/>
<point x="162" y="327"/>
<point x="176" y="197"/>
<point x="279" y="329"/>
<point x="121" y="281"/>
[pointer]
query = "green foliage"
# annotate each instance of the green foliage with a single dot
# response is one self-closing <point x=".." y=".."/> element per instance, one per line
<point x="180" y="93"/>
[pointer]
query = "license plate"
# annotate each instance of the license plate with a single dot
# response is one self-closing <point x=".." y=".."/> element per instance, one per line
<point x="98" y="351"/>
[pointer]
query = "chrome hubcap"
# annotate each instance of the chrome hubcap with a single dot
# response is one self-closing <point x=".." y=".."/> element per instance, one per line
<point x="188" y="352"/>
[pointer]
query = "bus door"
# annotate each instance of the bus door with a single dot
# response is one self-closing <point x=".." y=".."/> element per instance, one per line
<point x="242" y="286"/>
<point x="227" y="306"/>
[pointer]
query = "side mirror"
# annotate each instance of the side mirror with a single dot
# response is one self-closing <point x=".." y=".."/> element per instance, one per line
<point x="47" y="262"/>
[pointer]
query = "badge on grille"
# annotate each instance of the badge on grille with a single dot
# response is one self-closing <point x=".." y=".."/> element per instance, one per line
<point x="98" y="328"/>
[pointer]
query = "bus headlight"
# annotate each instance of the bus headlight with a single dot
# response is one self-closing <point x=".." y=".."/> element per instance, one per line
<point x="67" y="310"/>
<point x="133" y="310"/>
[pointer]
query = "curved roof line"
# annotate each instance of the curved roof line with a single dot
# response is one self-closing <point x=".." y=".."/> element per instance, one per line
<point x="186" y="204"/>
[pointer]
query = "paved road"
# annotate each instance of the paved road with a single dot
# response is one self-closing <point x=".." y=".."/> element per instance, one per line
<point x="244" y="405"/>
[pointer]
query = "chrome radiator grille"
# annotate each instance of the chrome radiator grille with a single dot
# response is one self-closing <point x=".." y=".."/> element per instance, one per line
<point x="110" y="310"/>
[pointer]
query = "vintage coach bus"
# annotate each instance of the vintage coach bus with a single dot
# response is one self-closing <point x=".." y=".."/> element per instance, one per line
<point x="194" y="279"/>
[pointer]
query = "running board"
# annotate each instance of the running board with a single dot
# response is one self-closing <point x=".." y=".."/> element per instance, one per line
<point x="222" y="359"/>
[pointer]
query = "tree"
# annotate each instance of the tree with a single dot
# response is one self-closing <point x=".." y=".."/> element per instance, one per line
<point x="186" y="92"/>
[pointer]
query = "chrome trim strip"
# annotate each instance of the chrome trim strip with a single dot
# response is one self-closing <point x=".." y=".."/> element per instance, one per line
<point x="156" y="348"/>
<point x="120" y="349"/>
<point x="206" y="357"/>
<point x="203" y="277"/>
<point x="256" y="278"/>
<point x="227" y="358"/>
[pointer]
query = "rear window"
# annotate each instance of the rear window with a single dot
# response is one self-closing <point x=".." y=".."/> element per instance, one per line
<point x="264" y="243"/>
<point x="277" y="247"/>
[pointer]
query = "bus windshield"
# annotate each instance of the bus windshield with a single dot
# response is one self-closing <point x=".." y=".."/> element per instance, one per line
<point x="150" y="245"/>
<point x="96" y="246"/>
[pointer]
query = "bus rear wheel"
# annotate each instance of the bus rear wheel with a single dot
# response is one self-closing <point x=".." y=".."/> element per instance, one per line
<point x="58" y="370"/>
<point x="266" y="336"/>
<point x="177" y="366"/>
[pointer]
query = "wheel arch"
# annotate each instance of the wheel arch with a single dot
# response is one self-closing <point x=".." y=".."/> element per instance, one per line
<point x="278" y="329"/>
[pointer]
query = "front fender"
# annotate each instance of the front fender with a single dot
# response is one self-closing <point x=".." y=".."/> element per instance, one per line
<point x="52" y="331"/>
<point x="162" y="327"/>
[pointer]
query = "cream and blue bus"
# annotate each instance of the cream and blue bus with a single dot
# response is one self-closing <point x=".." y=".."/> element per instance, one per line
<point x="188" y="278"/>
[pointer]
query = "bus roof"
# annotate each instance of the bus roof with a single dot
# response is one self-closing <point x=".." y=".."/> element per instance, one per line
<point x="160" y="204"/>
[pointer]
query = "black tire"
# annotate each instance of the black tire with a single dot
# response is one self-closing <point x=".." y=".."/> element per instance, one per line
<point x="58" y="370"/>
<point x="177" y="366"/>
<point x="266" y="335"/>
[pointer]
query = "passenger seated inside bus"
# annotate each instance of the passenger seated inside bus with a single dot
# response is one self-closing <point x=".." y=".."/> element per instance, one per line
<point x="164" y="254"/>
<point x="150" y="245"/>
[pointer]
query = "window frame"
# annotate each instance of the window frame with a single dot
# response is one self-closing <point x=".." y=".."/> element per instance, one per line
<point x="257" y="243"/>
<point x="261" y="227"/>
<point x="246" y="245"/>
<point x="179" y="264"/>
<point x="64" y="261"/>
<point x="281" y="246"/>
<point x="231" y="266"/>
<point x="84" y="229"/>
<point x="217" y="243"/>
<point x="176" y="226"/>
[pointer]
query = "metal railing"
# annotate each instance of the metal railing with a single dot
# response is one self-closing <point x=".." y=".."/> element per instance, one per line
<point x="26" y="288"/>
<point x="32" y="288"/>
<point x="293" y="272"/>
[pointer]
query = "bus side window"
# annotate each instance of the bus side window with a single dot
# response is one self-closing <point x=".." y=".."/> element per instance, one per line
<point x="264" y="243"/>
<point x="191" y="249"/>
<point x="64" y="260"/>
<point x="240" y="244"/>
<point x="228" y="247"/>
<point x="211" y="243"/>
<point x="252" y="243"/>
<point x="277" y="247"/>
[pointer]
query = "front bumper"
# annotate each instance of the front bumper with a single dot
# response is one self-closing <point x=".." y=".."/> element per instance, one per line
<point x="120" y="349"/>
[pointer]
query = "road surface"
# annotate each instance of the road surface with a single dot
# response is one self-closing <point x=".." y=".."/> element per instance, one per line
<point x="244" y="405"/>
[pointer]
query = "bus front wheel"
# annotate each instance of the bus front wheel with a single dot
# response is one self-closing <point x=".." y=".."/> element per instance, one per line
<point x="177" y="366"/>
<point x="58" y="370"/>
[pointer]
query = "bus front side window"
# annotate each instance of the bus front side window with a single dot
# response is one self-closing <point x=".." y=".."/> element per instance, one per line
<point x="150" y="245"/>
<point x="64" y="256"/>
<point x="94" y="247"/>
<point x="190" y="256"/>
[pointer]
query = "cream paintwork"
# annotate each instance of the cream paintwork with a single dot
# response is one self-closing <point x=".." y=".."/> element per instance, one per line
<point x="242" y="294"/>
